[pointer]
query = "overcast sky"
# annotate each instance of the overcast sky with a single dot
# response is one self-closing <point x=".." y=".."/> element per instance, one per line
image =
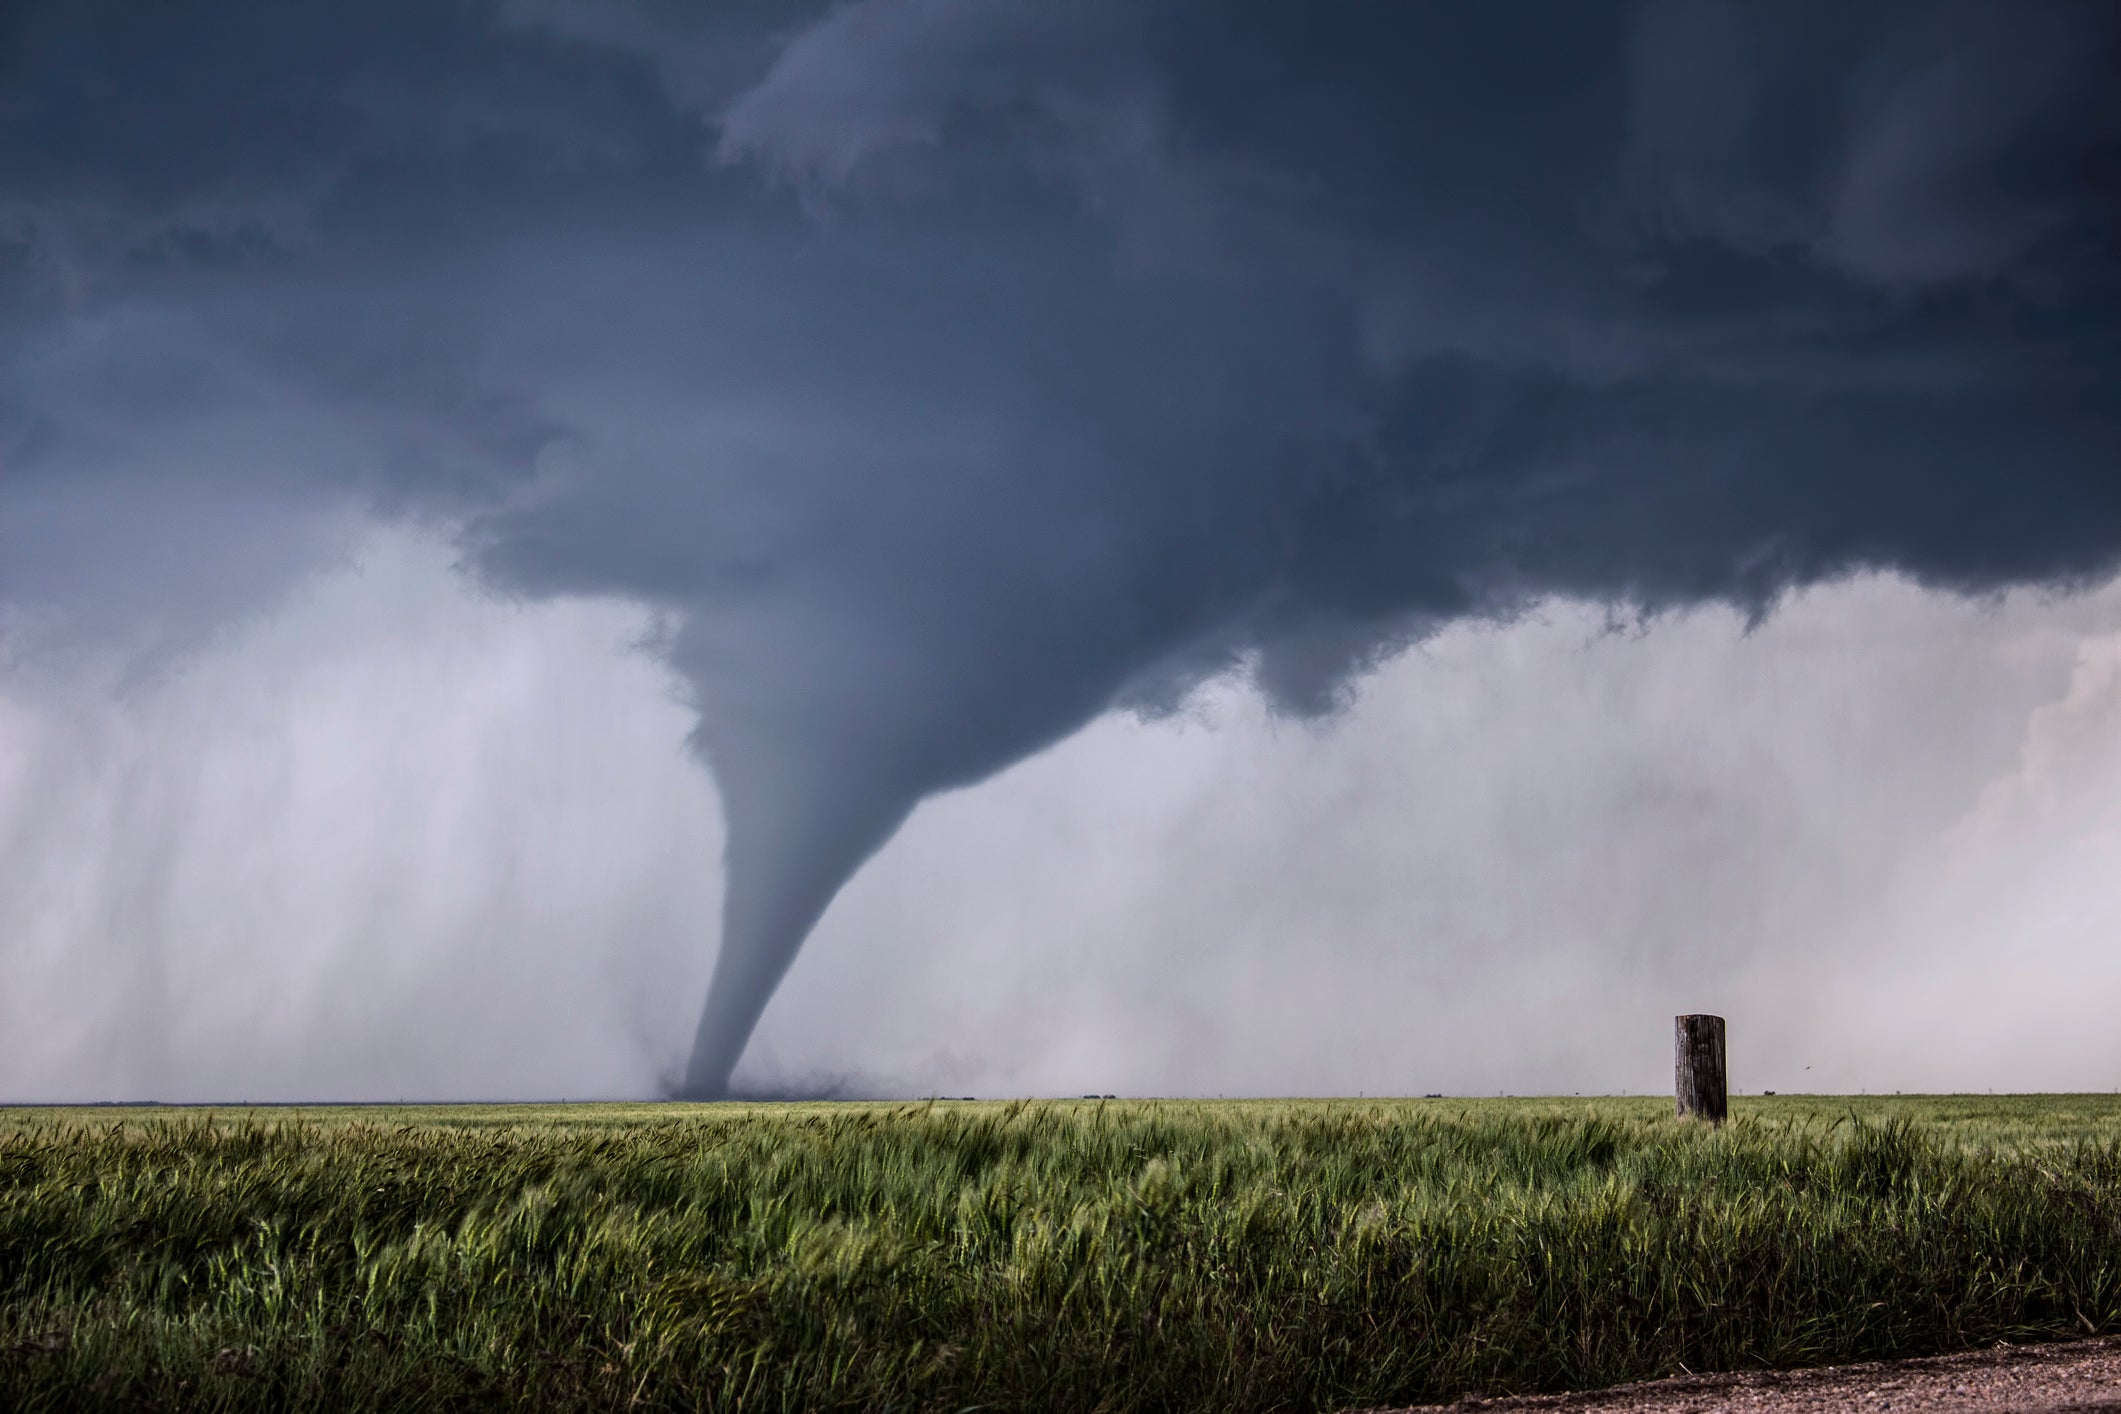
<point x="1207" y="548"/>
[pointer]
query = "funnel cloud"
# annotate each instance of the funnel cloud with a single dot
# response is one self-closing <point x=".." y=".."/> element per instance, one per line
<point x="936" y="377"/>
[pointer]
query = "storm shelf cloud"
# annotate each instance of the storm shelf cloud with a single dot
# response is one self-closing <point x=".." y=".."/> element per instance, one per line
<point x="917" y="382"/>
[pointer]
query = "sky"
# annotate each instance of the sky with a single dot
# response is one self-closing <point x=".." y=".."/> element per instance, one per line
<point x="1152" y="547"/>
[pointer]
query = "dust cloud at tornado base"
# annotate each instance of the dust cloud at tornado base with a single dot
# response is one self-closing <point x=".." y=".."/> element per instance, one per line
<point x="1502" y="868"/>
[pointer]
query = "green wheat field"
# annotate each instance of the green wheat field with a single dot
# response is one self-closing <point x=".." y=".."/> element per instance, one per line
<point x="1065" y="1255"/>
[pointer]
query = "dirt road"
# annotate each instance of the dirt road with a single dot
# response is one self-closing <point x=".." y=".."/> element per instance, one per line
<point x="2080" y="1377"/>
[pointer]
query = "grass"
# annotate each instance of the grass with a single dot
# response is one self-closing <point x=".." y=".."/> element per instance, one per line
<point x="1055" y="1255"/>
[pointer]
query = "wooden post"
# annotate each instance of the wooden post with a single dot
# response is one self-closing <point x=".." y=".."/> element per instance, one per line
<point x="1697" y="1053"/>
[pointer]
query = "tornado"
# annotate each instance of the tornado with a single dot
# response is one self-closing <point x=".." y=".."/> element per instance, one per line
<point x="786" y="857"/>
<point x="820" y="756"/>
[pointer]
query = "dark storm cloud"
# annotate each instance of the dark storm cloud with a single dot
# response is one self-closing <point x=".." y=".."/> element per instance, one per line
<point x="951" y="371"/>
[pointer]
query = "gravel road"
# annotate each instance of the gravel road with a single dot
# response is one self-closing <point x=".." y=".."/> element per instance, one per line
<point x="2079" y="1377"/>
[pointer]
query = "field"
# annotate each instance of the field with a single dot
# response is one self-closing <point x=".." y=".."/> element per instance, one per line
<point x="1048" y="1255"/>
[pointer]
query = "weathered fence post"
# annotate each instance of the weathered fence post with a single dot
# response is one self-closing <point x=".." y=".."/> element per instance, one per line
<point x="1697" y="1054"/>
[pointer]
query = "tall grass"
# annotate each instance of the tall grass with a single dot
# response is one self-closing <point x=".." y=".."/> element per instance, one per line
<point x="1039" y="1256"/>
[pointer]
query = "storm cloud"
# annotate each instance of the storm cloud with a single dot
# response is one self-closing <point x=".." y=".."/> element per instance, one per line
<point x="941" y="375"/>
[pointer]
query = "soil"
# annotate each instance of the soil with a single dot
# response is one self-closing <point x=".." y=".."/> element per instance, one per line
<point x="2078" y="1377"/>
